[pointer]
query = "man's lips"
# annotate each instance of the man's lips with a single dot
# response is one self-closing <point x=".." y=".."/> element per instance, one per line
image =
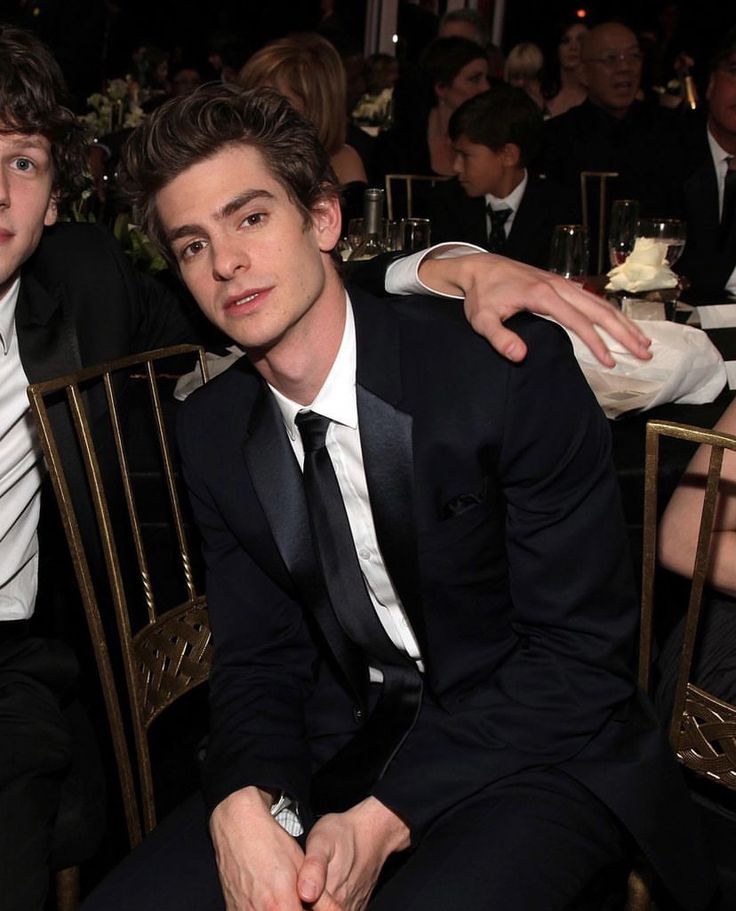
<point x="5" y="235"/>
<point x="245" y="301"/>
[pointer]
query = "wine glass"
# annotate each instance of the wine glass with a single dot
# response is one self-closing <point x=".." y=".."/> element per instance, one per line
<point x="622" y="229"/>
<point x="417" y="232"/>
<point x="568" y="254"/>
<point x="673" y="231"/>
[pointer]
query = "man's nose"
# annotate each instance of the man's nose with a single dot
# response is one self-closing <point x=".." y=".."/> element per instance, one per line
<point x="228" y="257"/>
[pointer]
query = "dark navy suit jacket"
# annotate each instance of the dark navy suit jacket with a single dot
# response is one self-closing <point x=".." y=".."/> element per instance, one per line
<point x="497" y="512"/>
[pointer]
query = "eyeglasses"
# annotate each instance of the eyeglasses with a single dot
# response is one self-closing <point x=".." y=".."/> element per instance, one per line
<point x="611" y="60"/>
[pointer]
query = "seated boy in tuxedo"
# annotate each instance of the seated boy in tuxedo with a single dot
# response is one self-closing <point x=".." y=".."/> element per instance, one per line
<point x="495" y="202"/>
<point x="420" y="601"/>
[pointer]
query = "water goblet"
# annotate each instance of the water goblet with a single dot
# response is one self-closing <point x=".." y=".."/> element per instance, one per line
<point x="671" y="230"/>
<point x="622" y="230"/>
<point x="416" y="234"/>
<point x="569" y="251"/>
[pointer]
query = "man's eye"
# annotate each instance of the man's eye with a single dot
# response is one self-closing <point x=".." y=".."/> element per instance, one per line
<point x="24" y="164"/>
<point x="254" y="219"/>
<point x="192" y="249"/>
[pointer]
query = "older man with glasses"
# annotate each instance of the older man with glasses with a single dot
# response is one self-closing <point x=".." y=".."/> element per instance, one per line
<point x="614" y="131"/>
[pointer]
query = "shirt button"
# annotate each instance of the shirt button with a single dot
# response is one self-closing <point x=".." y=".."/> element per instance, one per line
<point x="364" y="553"/>
<point x="358" y="714"/>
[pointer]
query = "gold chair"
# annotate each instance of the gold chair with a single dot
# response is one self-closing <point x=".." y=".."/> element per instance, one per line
<point x="702" y="727"/>
<point x="122" y="562"/>
<point x="602" y="178"/>
<point x="400" y="194"/>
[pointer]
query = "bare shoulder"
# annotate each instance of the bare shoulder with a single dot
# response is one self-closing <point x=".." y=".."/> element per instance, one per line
<point x="348" y="165"/>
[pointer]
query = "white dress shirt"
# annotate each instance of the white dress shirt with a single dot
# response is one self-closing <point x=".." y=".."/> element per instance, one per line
<point x="337" y="401"/>
<point x="511" y="202"/>
<point x="402" y="276"/>
<point x="720" y="163"/>
<point x="20" y="475"/>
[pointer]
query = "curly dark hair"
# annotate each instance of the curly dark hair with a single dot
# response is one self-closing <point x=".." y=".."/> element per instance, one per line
<point x="189" y="129"/>
<point x="32" y="100"/>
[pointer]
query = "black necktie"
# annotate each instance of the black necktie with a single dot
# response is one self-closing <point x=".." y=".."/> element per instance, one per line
<point x="348" y="776"/>
<point x="497" y="234"/>
<point x="729" y="200"/>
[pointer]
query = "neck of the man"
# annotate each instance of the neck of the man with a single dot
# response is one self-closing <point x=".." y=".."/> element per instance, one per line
<point x="298" y="363"/>
<point x="508" y="183"/>
<point x="725" y="139"/>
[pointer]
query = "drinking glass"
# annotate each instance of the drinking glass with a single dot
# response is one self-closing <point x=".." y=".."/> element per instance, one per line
<point x="355" y="232"/>
<point x="393" y="235"/>
<point x="671" y="230"/>
<point x="416" y="234"/>
<point x="622" y="229"/>
<point x="568" y="254"/>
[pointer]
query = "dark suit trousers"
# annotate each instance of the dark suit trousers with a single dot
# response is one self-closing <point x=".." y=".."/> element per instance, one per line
<point x="533" y="842"/>
<point x="35" y="751"/>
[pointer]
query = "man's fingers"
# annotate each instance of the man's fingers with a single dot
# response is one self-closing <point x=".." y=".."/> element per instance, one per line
<point x="312" y="876"/>
<point x="327" y="903"/>
<point x="488" y="324"/>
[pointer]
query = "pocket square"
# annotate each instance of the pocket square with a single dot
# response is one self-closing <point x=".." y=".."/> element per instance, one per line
<point x="462" y="502"/>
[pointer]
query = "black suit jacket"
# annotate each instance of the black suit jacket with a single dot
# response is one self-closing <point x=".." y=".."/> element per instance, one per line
<point x="455" y="216"/>
<point x="82" y="303"/>
<point x="497" y="513"/>
<point x="709" y="257"/>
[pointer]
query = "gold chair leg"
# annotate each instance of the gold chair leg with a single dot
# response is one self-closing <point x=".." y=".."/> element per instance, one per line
<point x="67" y="889"/>
<point x="639" y="897"/>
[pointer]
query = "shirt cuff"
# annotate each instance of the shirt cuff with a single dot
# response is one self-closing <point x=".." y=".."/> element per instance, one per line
<point x="286" y="814"/>
<point x="402" y="276"/>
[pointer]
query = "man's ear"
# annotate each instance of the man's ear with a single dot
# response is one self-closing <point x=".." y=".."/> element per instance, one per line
<point x="327" y="222"/>
<point x="511" y="155"/>
<point x="440" y="89"/>
<point x="52" y="211"/>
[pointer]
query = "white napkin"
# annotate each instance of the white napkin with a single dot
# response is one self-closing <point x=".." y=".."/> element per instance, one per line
<point x="216" y="363"/>
<point x="719" y="316"/>
<point x="645" y="268"/>
<point x="685" y="367"/>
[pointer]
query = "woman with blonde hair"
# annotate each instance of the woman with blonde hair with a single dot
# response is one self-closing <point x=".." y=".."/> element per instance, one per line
<point x="523" y="69"/>
<point x="308" y="71"/>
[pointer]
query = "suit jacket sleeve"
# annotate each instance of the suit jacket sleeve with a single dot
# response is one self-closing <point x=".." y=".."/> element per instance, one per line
<point x="573" y="611"/>
<point x="264" y="656"/>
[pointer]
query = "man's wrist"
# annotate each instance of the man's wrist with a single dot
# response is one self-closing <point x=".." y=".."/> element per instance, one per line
<point x="384" y="824"/>
<point x="409" y="275"/>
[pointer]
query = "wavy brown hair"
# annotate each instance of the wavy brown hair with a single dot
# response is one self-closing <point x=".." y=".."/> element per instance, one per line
<point x="33" y="99"/>
<point x="190" y="129"/>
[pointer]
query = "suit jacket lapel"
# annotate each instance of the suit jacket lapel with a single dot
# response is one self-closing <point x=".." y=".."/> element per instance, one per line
<point x="47" y="338"/>
<point x="386" y="440"/>
<point x="278" y="484"/>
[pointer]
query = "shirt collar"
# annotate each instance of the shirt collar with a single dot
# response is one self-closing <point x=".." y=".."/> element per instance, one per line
<point x="336" y="399"/>
<point x="719" y="154"/>
<point x="513" y="200"/>
<point x="7" y="315"/>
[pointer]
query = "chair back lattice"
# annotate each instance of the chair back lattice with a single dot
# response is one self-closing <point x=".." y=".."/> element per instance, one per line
<point x="600" y="178"/>
<point x="407" y="195"/>
<point x="703" y="727"/>
<point x="104" y="436"/>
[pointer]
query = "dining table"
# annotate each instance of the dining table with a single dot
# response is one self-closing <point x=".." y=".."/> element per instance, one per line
<point x="628" y="434"/>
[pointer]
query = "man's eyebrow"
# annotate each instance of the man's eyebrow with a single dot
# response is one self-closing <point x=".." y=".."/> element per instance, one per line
<point x="242" y="199"/>
<point x="230" y="207"/>
<point x="30" y="142"/>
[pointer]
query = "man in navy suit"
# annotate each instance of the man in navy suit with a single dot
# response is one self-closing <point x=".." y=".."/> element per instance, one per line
<point x="709" y="259"/>
<point x="495" y="201"/>
<point x="70" y="298"/>
<point x="441" y="714"/>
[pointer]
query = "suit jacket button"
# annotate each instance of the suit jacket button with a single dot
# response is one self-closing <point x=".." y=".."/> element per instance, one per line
<point x="358" y="714"/>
